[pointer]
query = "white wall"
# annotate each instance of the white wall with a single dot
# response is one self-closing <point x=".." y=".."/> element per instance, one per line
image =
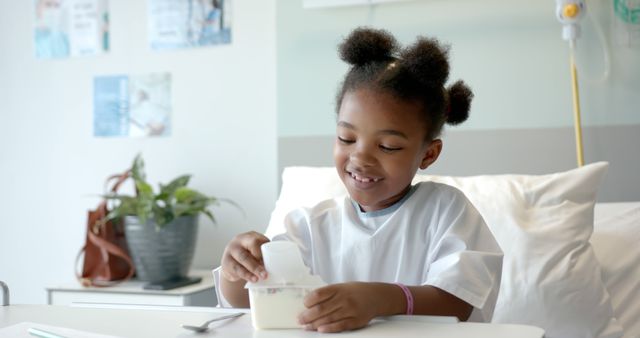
<point x="512" y="55"/>
<point x="52" y="168"/>
<point x="510" y="52"/>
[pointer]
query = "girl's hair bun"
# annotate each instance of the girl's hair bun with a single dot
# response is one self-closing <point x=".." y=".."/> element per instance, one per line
<point x="428" y="60"/>
<point x="460" y="97"/>
<point x="366" y="45"/>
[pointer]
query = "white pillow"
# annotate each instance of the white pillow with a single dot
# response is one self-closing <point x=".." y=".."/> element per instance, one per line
<point x="616" y="242"/>
<point x="303" y="187"/>
<point x="551" y="277"/>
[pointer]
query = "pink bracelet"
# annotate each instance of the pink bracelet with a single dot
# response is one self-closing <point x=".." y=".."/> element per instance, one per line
<point x="408" y="296"/>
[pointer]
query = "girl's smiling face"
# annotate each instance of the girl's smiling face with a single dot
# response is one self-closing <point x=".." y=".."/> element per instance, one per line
<point x="380" y="144"/>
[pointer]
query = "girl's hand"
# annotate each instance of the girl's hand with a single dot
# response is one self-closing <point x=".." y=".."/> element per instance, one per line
<point x="242" y="258"/>
<point x="340" y="307"/>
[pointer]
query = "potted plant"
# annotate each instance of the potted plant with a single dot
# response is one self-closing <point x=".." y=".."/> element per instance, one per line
<point x="160" y="228"/>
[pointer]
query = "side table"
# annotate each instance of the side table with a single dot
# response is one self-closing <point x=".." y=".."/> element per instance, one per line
<point x="131" y="292"/>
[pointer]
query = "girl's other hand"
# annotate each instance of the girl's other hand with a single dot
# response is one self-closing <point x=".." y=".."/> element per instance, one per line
<point x="340" y="307"/>
<point x="242" y="258"/>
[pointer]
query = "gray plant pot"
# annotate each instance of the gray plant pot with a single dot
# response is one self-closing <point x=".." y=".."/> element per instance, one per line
<point x="160" y="254"/>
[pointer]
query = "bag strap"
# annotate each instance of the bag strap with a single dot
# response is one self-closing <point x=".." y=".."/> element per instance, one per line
<point x="120" y="179"/>
<point x="102" y="207"/>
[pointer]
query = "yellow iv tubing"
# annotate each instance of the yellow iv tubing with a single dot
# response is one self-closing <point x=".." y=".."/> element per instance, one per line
<point x="576" y="107"/>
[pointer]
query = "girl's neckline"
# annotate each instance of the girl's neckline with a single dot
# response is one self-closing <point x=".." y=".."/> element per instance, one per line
<point x="387" y="210"/>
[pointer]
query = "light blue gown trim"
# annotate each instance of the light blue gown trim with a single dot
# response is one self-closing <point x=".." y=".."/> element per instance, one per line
<point x="385" y="211"/>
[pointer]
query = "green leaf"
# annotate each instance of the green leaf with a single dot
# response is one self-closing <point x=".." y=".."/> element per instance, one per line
<point x="184" y="194"/>
<point x="124" y="205"/>
<point x="209" y="215"/>
<point x="137" y="169"/>
<point x="144" y="201"/>
<point x="162" y="215"/>
<point x="144" y="189"/>
<point x="167" y="191"/>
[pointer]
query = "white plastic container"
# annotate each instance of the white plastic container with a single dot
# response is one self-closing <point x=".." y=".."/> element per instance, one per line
<point x="277" y="307"/>
<point x="277" y="301"/>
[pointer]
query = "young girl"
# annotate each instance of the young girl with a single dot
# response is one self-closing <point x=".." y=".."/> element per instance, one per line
<point x="389" y="247"/>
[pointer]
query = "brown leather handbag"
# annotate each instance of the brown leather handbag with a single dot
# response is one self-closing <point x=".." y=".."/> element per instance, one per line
<point x="106" y="258"/>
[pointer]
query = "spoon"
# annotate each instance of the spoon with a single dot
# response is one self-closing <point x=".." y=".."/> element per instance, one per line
<point x="205" y="326"/>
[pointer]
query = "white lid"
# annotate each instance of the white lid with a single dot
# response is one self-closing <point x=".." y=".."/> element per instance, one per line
<point x="285" y="267"/>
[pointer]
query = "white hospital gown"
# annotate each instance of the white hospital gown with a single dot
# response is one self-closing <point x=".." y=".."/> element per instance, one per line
<point x="433" y="236"/>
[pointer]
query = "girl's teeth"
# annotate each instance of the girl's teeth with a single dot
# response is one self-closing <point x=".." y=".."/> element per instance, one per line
<point x="364" y="179"/>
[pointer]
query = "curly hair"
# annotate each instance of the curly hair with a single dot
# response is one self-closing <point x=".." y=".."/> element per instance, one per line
<point x="417" y="73"/>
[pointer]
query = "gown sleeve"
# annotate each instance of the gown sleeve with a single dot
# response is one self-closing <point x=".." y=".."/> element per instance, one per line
<point x="465" y="259"/>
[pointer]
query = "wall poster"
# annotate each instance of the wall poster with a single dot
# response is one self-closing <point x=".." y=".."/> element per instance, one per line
<point x="69" y="28"/>
<point x="175" y="24"/>
<point x="132" y="106"/>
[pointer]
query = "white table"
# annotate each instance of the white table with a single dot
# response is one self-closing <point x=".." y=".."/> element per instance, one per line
<point x="131" y="292"/>
<point x="150" y="321"/>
